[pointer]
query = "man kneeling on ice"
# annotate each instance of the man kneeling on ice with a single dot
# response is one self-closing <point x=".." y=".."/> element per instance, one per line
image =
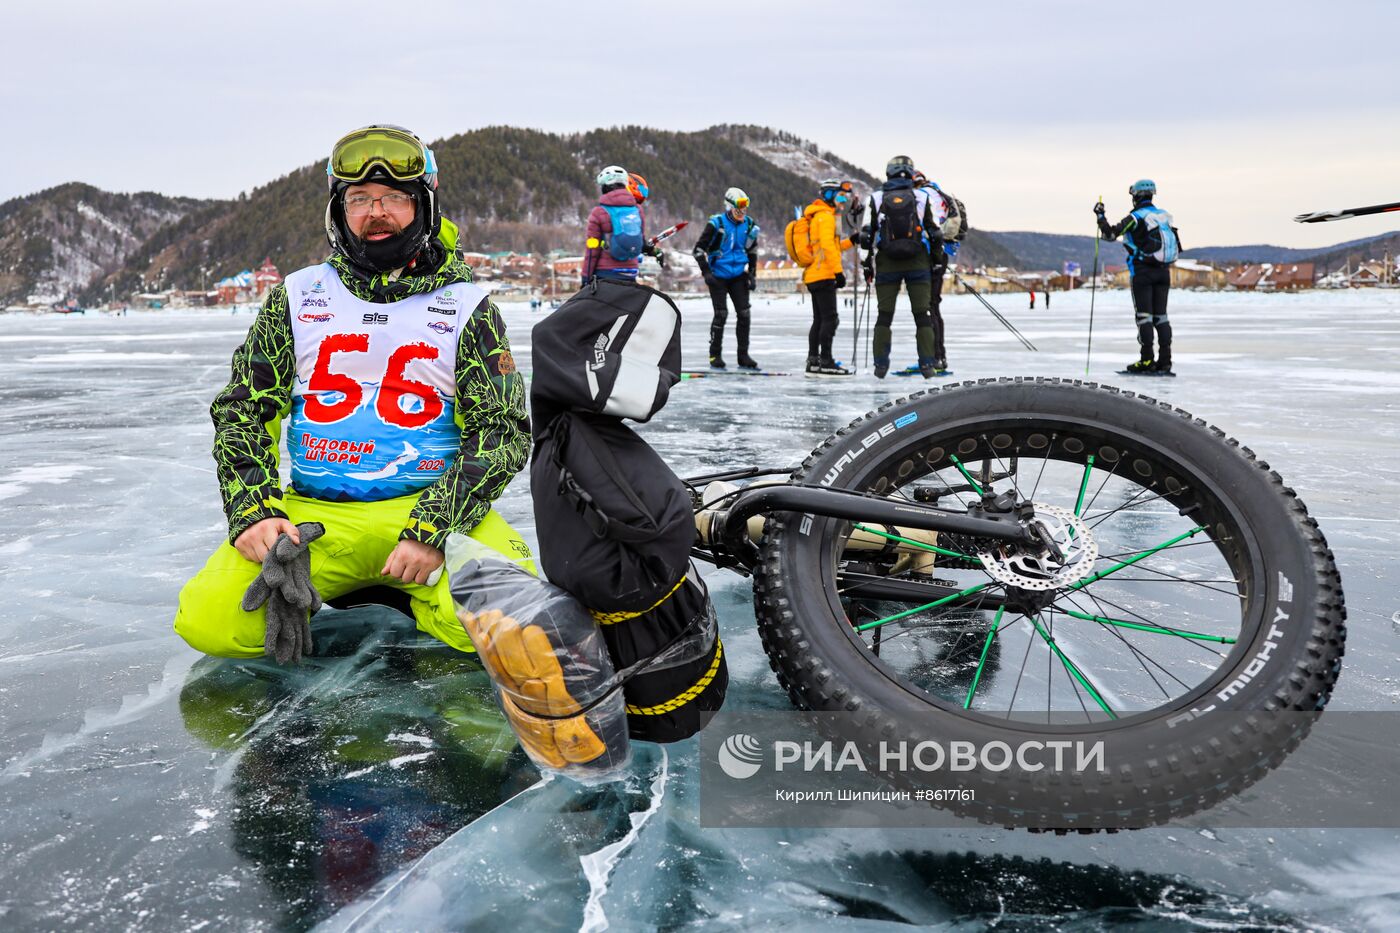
<point x="407" y="419"/>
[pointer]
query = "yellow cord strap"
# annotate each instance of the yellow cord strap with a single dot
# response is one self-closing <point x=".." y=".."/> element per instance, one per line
<point x="612" y="618"/>
<point x="680" y="700"/>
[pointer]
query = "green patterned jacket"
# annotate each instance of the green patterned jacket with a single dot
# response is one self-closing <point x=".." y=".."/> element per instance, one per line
<point x="490" y="410"/>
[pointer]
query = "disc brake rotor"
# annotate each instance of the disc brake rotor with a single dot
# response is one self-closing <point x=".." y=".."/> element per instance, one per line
<point x="1071" y="559"/>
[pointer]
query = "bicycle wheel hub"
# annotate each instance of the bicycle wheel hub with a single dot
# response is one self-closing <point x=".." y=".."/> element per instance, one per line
<point x="1066" y="554"/>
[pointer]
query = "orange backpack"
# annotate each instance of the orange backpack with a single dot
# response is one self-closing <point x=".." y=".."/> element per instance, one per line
<point x="797" y="236"/>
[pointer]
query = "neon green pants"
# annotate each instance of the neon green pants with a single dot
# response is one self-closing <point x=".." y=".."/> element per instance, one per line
<point x="357" y="542"/>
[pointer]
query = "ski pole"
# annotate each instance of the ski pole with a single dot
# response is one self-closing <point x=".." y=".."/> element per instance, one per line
<point x="1093" y="289"/>
<point x="1345" y="213"/>
<point x="995" y="313"/>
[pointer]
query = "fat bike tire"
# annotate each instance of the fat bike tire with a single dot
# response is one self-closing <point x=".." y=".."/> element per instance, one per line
<point x="1291" y="623"/>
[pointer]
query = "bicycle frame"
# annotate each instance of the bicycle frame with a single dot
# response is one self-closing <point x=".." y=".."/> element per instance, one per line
<point x="727" y="540"/>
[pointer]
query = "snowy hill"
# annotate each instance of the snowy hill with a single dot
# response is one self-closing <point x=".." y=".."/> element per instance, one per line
<point x="55" y="243"/>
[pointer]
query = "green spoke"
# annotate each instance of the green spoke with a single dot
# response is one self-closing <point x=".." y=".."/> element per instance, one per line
<point x="1084" y="485"/>
<point x="1071" y="668"/>
<point x="966" y="475"/>
<point x="982" y="662"/>
<point x="918" y="544"/>
<point x="917" y="609"/>
<point x="1160" y="630"/>
<point x="1135" y="558"/>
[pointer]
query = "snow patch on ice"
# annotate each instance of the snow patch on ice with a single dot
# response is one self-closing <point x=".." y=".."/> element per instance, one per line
<point x="422" y="740"/>
<point x="102" y="356"/>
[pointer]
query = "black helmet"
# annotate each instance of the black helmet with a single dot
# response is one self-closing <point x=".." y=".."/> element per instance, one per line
<point x="901" y="166"/>
<point x="388" y="155"/>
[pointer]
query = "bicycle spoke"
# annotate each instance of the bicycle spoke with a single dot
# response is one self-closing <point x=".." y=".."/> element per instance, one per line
<point x="1174" y="547"/>
<point x="1020" y="674"/>
<point x="1142" y="658"/>
<point x="1070" y="668"/>
<point x="1009" y="473"/>
<point x="1157" y="629"/>
<point x="1105" y="516"/>
<point x="1133" y="560"/>
<point x="1203" y="584"/>
<point x="1083" y="485"/>
<point x="1044" y="463"/>
<point x="1101" y="599"/>
<point x="966" y="475"/>
<point x="1111" y="473"/>
<point x="982" y="662"/>
<point x="926" y="606"/>
<point x="1078" y="694"/>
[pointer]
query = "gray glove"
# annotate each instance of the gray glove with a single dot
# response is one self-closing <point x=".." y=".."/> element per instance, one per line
<point x="285" y="585"/>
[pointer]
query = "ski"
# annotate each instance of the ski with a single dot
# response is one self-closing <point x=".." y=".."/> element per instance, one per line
<point x="705" y="373"/>
<point x="914" y="371"/>
<point x="1317" y="217"/>
<point x="1151" y="374"/>
<point x="668" y="232"/>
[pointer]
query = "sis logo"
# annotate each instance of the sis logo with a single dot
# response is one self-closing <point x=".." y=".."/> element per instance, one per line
<point x="442" y="327"/>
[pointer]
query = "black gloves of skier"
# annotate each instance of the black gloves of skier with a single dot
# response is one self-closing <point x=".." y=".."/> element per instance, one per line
<point x="1099" y="209"/>
<point x="869" y="274"/>
<point x="285" y="585"/>
<point x="660" y="258"/>
<point x="840" y="280"/>
<point x="752" y="281"/>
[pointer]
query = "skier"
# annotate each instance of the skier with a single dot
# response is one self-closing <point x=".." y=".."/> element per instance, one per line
<point x="616" y="230"/>
<point x="824" y="276"/>
<point x="901" y="235"/>
<point x="727" y="253"/>
<point x="406" y="417"/>
<point x="1152" y="244"/>
<point x="954" y="215"/>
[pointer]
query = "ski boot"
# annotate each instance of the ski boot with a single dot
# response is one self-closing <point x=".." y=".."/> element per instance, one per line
<point x="717" y="362"/>
<point x="882" y="367"/>
<point x="928" y="367"/>
<point x="826" y="367"/>
<point x="1140" y="368"/>
<point x="747" y="362"/>
<point x="941" y="364"/>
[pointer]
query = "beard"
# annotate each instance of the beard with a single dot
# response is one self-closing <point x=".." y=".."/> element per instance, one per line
<point x="394" y="251"/>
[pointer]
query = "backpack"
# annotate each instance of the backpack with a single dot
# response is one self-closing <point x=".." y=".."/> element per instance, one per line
<point x="901" y="227"/>
<point x="626" y="241"/>
<point x="797" y="236"/>
<point x="955" y="227"/>
<point x="1157" y="241"/>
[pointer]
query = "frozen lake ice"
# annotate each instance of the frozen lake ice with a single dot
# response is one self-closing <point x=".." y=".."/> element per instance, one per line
<point x="376" y="787"/>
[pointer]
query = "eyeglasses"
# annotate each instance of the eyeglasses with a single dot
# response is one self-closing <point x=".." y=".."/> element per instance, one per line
<point x="395" y="202"/>
<point x="399" y="153"/>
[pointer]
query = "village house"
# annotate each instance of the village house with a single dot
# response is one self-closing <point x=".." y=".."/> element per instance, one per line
<point x="1268" y="276"/>
<point x="265" y="278"/>
<point x="779" y="276"/>
<point x="1190" y="273"/>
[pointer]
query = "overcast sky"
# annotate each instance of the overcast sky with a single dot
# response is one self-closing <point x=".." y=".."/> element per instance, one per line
<point x="1244" y="113"/>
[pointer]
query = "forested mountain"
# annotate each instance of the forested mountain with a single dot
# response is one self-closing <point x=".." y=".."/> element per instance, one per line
<point x="58" y="242"/>
<point x="509" y="188"/>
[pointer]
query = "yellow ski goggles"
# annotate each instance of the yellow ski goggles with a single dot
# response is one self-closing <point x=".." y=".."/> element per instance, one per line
<point x="397" y="152"/>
